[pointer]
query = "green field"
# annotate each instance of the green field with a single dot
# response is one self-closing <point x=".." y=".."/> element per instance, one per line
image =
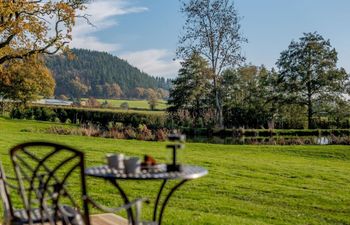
<point x="137" y="104"/>
<point x="246" y="184"/>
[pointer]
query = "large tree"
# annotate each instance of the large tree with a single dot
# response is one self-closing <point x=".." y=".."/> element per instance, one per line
<point x="190" y="89"/>
<point x="308" y="73"/>
<point x="212" y="29"/>
<point x="29" y="27"/>
<point x="25" y="80"/>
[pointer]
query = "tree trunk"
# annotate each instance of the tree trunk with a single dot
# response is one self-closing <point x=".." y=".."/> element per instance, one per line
<point x="309" y="113"/>
<point x="310" y="124"/>
<point x="219" y="113"/>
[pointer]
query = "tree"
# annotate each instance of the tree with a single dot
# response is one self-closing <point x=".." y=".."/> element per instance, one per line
<point x="162" y="93"/>
<point x="114" y="90"/>
<point x="152" y="100"/>
<point x="92" y="102"/>
<point x="30" y="27"/>
<point x="212" y="30"/>
<point x="191" y="88"/>
<point x="25" y="80"/>
<point x="140" y="92"/>
<point x="77" y="88"/>
<point x="308" y="73"/>
<point x="150" y="93"/>
<point x="247" y="96"/>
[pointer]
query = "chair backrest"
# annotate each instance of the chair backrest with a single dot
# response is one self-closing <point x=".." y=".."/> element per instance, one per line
<point x="51" y="183"/>
<point x="6" y="201"/>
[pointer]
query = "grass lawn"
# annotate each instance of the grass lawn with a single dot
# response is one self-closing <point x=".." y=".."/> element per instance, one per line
<point x="139" y="104"/>
<point x="246" y="184"/>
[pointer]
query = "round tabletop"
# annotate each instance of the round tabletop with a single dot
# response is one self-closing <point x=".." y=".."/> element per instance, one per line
<point x="158" y="173"/>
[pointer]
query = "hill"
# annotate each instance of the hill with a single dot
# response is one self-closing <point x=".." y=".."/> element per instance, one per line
<point x="100" y="75"/>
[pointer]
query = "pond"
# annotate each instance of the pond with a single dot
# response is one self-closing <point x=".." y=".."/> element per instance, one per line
<point x="320" y="140"/>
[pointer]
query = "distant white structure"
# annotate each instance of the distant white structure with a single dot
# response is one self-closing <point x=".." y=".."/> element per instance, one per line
<point x="53" y="102"/>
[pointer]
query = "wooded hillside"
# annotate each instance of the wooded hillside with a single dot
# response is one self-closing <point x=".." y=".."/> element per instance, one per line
<point x="100" y="75"/>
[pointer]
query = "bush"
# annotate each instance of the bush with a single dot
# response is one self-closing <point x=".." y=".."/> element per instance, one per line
<point x="17" y="113"/>
<point x="144" y="133"/>
<point x="130" y="133"/>
<point x="92" y="102"/>
<point x="106" y="105"/>
<point x="124" y="106"/>
<point x="161" y="135"/>
<point x="44" y="114"/>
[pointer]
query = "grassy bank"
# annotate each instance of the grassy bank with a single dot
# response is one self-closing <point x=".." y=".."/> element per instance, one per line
<point x="246" y="184"/>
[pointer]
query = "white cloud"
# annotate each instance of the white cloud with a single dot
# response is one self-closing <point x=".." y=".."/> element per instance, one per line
<point x="156" y="62"/>
<point x="102" y="14"/>
<point x="93" y="43"/>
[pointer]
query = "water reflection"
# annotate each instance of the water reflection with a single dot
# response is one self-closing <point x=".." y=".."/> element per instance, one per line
<point x="321" y="140"/>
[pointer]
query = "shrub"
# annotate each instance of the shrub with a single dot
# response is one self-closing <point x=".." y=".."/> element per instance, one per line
<point x="44" y="114"/>
<point x="17" y="113"/>
<point x="161" y="135"/>
<point x="124" y="106"/>
<point x="144" y="133"/>
<point x="106" y="104"/>
<point x="130" y="133"/>
<point x="90" y="131"/>
<point x="114" y="133"/>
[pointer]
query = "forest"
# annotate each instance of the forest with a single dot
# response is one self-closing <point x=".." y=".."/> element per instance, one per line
<point x="101" y="75"/>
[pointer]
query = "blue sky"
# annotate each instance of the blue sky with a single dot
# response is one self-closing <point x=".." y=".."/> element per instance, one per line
<point x="145" y="32"/>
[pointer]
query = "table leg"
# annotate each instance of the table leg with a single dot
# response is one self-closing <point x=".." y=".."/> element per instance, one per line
<point x="126" y="200"/>
<point x="167" y="199"/>
<point x="158" y="199"/>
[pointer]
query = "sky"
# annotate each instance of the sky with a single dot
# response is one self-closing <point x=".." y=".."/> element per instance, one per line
<point x="146" y="32"/>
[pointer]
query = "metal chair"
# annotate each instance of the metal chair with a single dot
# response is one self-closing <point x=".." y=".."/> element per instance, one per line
<point x="43" y="172"/>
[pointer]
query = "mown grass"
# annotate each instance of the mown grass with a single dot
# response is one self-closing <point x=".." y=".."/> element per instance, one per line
<point x="136" y="104"/>
<point x="246" y="184"/>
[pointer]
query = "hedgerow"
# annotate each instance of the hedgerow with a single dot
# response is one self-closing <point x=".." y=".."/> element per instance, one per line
<point x="83" y="116"/>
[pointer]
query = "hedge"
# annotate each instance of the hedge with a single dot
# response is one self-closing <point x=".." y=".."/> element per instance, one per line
<point x="104" y="118"/>
<point x="98" y="117"/>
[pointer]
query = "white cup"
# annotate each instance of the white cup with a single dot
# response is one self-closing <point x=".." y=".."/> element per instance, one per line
<point x="132" y="165"/>
<point x="115" y="161"/>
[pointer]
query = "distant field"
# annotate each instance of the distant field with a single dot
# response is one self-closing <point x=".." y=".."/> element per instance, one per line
<point x="140" y="104"/>
<point x="246" y="185"/>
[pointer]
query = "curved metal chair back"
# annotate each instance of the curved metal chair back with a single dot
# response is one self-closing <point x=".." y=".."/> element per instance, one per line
<point x="45" y="173"/>
<point x="6" y="200"/>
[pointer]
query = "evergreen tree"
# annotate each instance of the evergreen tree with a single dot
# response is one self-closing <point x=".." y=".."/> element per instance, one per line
<point x="191" y="88"/>
<point x="102" y="73"/>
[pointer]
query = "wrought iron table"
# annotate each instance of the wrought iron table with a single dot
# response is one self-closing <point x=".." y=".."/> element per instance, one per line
<point x="112" y="175"/>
